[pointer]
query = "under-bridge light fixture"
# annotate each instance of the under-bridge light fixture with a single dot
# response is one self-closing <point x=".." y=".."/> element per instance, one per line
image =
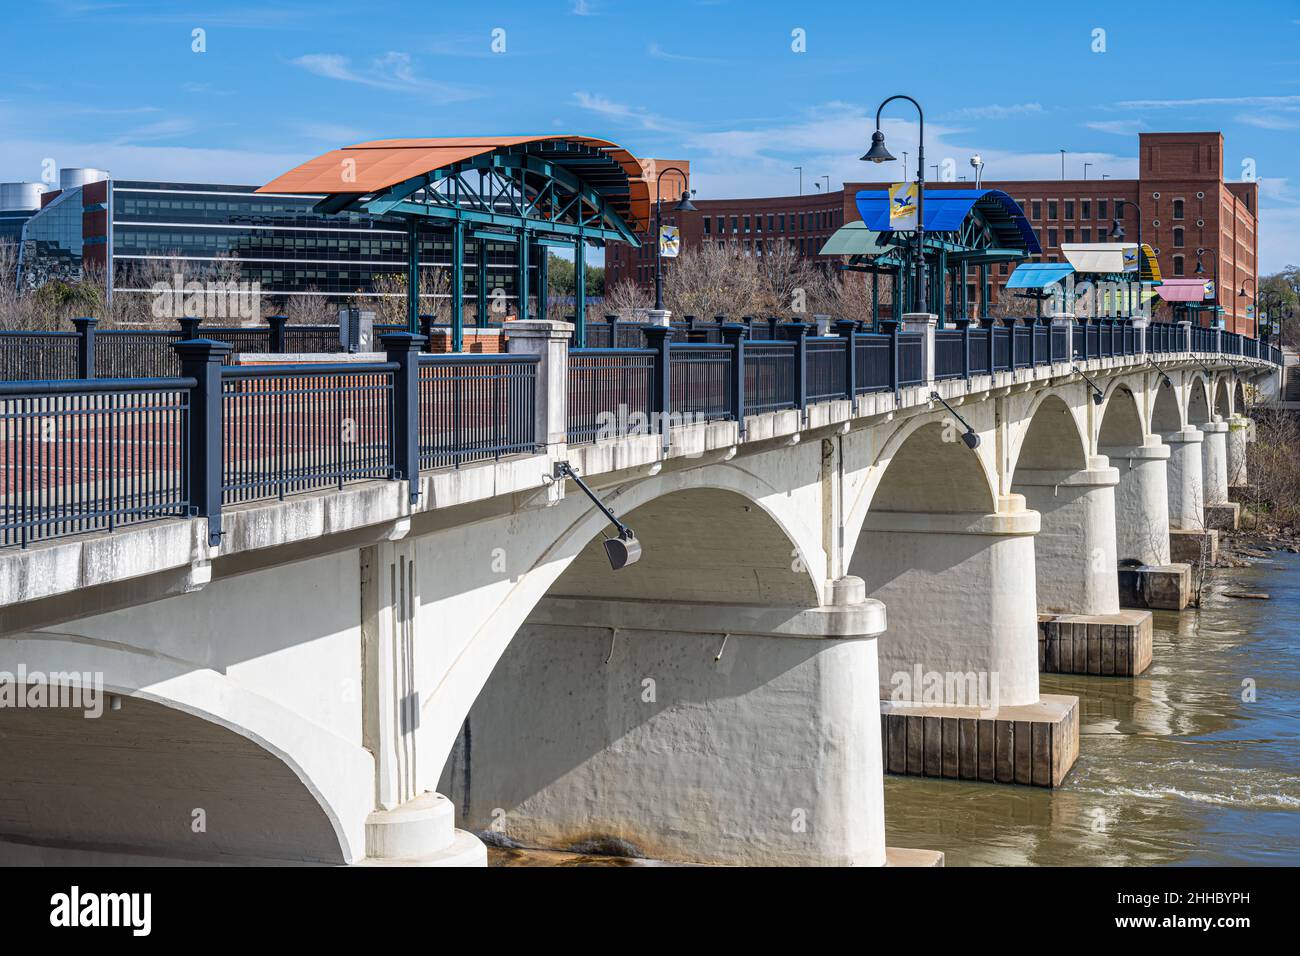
<point x="969" y="437"/>
<point x="1098" y="396"/>
<point x="622" y="550"/>
<point x="1164" y="376"/>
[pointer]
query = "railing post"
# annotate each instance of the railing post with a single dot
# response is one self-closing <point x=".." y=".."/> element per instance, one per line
<point x="797" y="332"/>
<point x="926" y="324"/>
<point x="201" y="360"/>
<point x="749" y="326"/>
<point x="1031" y="325"/>
<point x="734" y="335"/>
<point x="404" y="349"/>
<point x="612" y="322"/>
<point x="85" y="346"/>
<point x="549" y="341"/>
<point x="426" y="330"/>
<point x="1218" y="341"/>
<point x="659" y="338"/>
<point x="992" y="346"/>
<point x="1063" y="320"/>
<point x="1184" y="341"/>
<point x="189" y="327"/>
<point x="276" y="338"/>
<point x="772" y="322"/>
<point x="848" y="329"/>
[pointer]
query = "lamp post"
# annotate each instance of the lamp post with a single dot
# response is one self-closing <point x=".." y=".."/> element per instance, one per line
<point x="879" y="154"/>
<point x="1241" y="294"/>
<point x="1275" y="311"/>
<point x="683" y="205"/>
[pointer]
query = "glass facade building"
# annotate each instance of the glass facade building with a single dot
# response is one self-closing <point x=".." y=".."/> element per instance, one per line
<point x="280" y="242"/>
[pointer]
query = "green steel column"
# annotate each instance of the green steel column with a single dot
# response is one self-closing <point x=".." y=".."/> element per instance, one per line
<point x="580" y="292"/>
<point x="458" y="286"/>
<point x="984" y="290"/>
<point x="543" y="256"/>
<point x="521" y="283"/>
<point x="942" y="270"/>
<point x="965" y="277"/>
<point x="413" y="276"/>
<point x="901" y="291"/>
<point x="480" y="283"/>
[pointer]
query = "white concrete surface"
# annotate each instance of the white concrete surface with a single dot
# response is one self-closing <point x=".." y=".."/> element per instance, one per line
<point x="1186" y="495"/>
<point x="1238" y="437"/>
<point x="1214" y="462"/>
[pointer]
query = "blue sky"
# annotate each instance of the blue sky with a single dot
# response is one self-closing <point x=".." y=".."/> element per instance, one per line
<point x="718" y="82"/>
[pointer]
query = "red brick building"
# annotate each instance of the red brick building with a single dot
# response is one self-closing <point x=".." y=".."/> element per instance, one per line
<point x="1180" y="196"/>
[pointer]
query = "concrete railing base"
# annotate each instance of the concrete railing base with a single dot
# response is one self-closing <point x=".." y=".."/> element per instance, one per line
<point x="1161" y="587"/>
<point x="1194" y="546"/>
<point x="1224" y="516"/>
<point x="1031" y="744"/>
<point x="1110" y="645"/>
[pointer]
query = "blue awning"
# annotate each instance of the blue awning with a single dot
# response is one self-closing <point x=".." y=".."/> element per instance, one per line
<point x="1038" y="275"/>
<point x="947" y="209"/>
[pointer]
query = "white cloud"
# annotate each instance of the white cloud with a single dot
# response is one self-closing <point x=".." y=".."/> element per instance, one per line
<point x="621" y="112"/>
<point x="391" y="71"/>
<point x="1209" y="101"/>
<point x="1126" y="127"/>
<point x="1276" y="119"/>
<point x="995" y="111"/>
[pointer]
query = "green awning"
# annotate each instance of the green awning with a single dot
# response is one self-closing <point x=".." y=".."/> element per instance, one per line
<point x="855" y="239"/>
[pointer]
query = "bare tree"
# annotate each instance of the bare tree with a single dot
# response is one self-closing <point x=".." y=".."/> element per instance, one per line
<point x="626" y="299"/>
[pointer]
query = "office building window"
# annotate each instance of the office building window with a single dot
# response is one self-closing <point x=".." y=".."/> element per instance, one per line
<point x="1101" y="209"/>
<point x="1069" y="209"/>
<point x="1178" y="265"/>
<point x="1086" y="235"/>
<point x="707" y="225"/>
<point x="1069" y="235"/>
<point x="1085" y="208"/>
<point x="1101" y="234"/>
<point x="1051" y="209"/>
<point x="1037" y="209"/>
<point x="735" y="224"/>
<point x="1178" y="209"/>
<point x="746" y="224"/>
<point x="781" y="220"/>
<point x="771" y="223"/>
<point x="1051" y="237"/>
<point x="1178" y="237"/>
<point x="803" y="222"/>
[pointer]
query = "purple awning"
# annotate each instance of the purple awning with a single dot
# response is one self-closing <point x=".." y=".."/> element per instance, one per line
<point x="1182" y="290"/>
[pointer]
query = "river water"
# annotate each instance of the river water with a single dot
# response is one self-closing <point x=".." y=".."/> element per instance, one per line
<point x="1174" y="766"/>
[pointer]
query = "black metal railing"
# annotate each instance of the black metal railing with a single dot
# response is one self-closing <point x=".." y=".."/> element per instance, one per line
<point x="476" y="407"/>
<point x="611" y="392"/>
<point x="770" y="380"/>
<point x="37" y="356"/>
<point x="288" y="429"/>
<point x="700" y="375"/>
<point x="826" y="369"/>
<point x="90" y="455"/>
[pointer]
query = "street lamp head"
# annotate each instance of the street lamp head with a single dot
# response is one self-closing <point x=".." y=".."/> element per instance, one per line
<point x="1200" y="267"/>
<point x="877" y="153"/>
<point x="684" y="204"/>
<point x="1117" y="233"/>
<point x="971" y="439"/>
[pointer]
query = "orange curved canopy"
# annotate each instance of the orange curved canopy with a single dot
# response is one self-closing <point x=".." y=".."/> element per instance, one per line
<point x="381" y="163"/>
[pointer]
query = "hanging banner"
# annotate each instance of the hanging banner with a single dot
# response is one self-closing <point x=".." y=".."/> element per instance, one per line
<point x="902" y="207"/>
<point x="1209" y="288"/>
<point x="670" y="241"/>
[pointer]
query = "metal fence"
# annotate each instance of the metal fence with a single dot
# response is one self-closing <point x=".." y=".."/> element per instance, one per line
<point x="610" y="392"/>
<point x="476" y="407"/>
<point x="700" y="376"/>
<point x="37" y="356"/>
<point x="770" y="378"/>
<point x="90" y="455"/>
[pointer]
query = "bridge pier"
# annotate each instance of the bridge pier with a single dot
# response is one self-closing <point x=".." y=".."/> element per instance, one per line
<point x="1147" y="576"/>
<point x="1220" y="513"/>
<point x="1238" y="437"/>
<point x="726" y="734"/>
<point x="959" y="664"/>
<point x="1189" y="539"/>
<point x="1081" y="628"/>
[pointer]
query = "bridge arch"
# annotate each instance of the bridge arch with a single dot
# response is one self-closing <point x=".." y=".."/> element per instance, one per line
<point x="1239" y="398"/>
<point x="203" y="769"/>
<point x="1198" y="399"/>
<point x="1121" y="419"/>
<point x="1166" y="411"/>
<point x="1050" y="437"/>
<point x="705" y="641"/>
<point x="1222" y="399"/>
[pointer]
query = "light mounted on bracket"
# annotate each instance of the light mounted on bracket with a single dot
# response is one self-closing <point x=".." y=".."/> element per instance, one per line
<point x="621" y="551"/>
<point x="971" y="439"/>
<point x="1098" y="396"/>
<point x="1163" y="374"/>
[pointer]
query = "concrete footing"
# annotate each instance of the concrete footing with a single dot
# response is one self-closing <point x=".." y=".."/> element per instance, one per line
<point x="1224" y="516"/>
<point x="1033" y="744"/>
<point x="1166" y="587"/>
<point x="421" y="832"/>
<point x="1111" y="645"/>
<point x="903" y="856"/>
<point x="1191" y="547"/>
